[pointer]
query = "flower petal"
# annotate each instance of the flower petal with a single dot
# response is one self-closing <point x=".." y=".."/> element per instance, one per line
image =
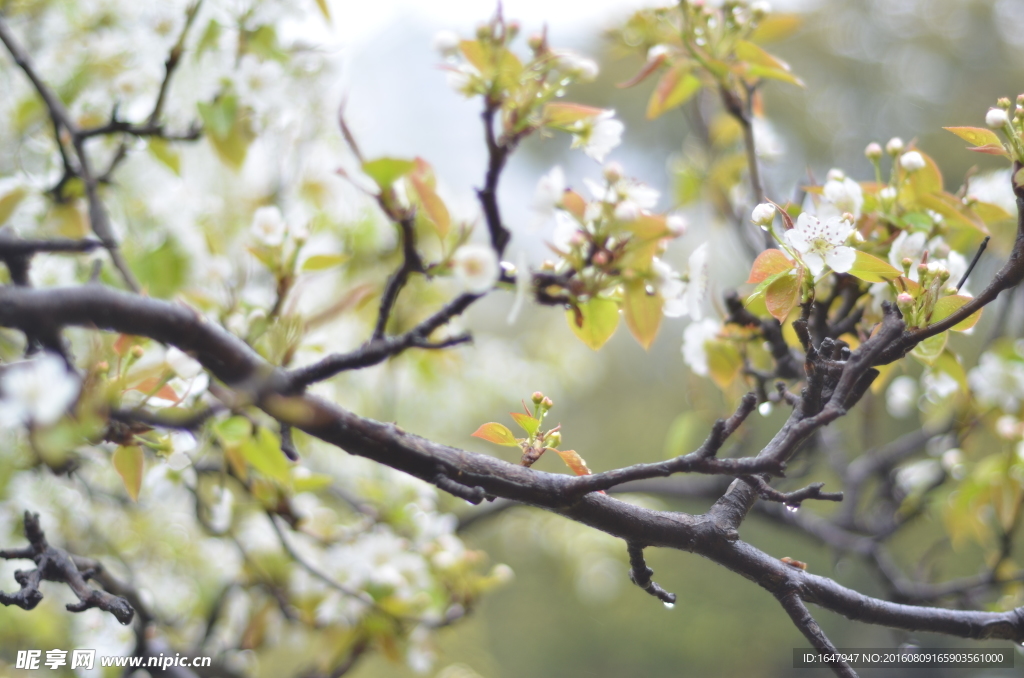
<point x="841" y="259"/>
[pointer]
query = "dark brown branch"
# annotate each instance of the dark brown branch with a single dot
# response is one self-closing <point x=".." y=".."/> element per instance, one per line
<point x="497" y="154"/>
<point x="792" y="499"/>
<point x="54" y="564"/>
<point x="411" y="263"/>
<point x="974" y="262"/>
<point x="803" y="620"/>
<point x="18" y="247"/>
<point x="640" y="574"/>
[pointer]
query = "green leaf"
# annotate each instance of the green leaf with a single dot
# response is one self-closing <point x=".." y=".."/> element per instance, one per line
<point x="422" y="182"/>
<point x="929" y="350"/>
<point x="926" y="180"/>
<point x="774" y="74"/>
<point x="976" y="136"/>
<point x="496" y="433"/>
<point x="757" y="56"/>
<point x="233" y="430"/>
<point x="162" y="271"/>
<point x="776" y="27"/>
<point x="322" y="262"/>
<point x="209" y="39"/>
<point x="529" y="424"/>
<point x="9" y="202"/>
<point x="166" y="154"/>
<point x="228" y="128"/>
<point x="600" y="319"/>
<point x="783" y="294"/>
<point x="219" y="115"/>
<point x="758" y="292"/>
<point x="129" y="462"/>
<point x="263" y="43"/>
<point x="564" y="115"/>
<point x="872" y="269"/>
<point x="386" y="171"/>
<point x="312" y="482"/>
<point x="947" y="362"/>
<point x="724" y="362"/>
<point x="643" y="312"/>
<point x="946" y="306"/>
<point x="674" y="88"/>
<point x="264" y="454"/>
<point x="953" y="209"/>
<point x="769" y="263"/>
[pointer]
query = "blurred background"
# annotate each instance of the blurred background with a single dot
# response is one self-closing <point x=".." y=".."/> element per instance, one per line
<point x="873" y="69"/>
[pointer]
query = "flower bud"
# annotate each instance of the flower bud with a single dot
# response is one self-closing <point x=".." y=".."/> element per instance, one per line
<point x="1003" y="102"/>
<point x="912" y="161"/>
<point x="537" y="397"/>
<point x="613" y="172"/>
<point x="996" y="118"/>
<point x="536" y="42"/>
<point x="676" y="224"/>
<point x="547" y="403"/>
<point x="446" y="42"/>
<point x="102" y="366"/>
<point x="907" y="263"/>
<point x="873" y="151"/>
<point x="137" y="352"/>
<point x="553" y="439"/>
<point x="835" y="174"/>
<point x="763" y="214"/>
<point x="600" y="258"/>
<point x="894" y="146"/>
<point x="905" y="302"/>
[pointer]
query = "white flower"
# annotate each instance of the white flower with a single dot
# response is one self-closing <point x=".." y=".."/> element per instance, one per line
<point x="845" y="194"/>
<point x="476" y="267"/>
<point x="268" y="226"/>
<point x="907" y="246"/>
<point x="550" y="190"/>
<point x="598" y="135"/>
<point x="768" y="143"/>
<point x="996" y="381"/>
<point x="36" y="391"/>
<point x="901" y="397"/>
<point x="683" y="298"/>
<point x="463" y="79"/>
<point x="763" y="214"/>
<point x="835" y="174"/>
<point x="760" y="7"/>
<point x="894" y="146"/>
<point x="676" y="223"/>
<point x="912" y="161"/>
<point x="695" y="337"/>
<point x="820" y="243"/>
<point x="919" y="476"/>
<point x="182" y="364"/>
<point x="938" y="385"/>
<point x="996" y="118"/>
<point x="446" y="42"/>
<point x="887" y="194"/>
<point x="627" y="210"/>
<point x="566" y="230"/>
<point x="583" y="68"/>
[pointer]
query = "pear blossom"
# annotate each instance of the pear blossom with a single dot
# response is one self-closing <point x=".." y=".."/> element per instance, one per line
<point x="683" y="298"/>
<point x="676" y="223"/>
<point x="446" y="42"/>
<point x="996" y="118"/>
<point x="268" y="226"/>
<point x="566" y="230"/>
<point x="901" y="397"/>
<point x="912" y="161"/>
<point x="845" y="195"/>
<point x="598" y="135"/>
<point x="919" y="476"/>
<point x="997" y="381"/>
<point x="822" y="242"/>
<point x="582" y="67"/>
<point x="183" y="365"/>
<point x="36" y="391"/>
<point x="894" y="146"/>
<point x="873" y="151"/>
<point x="695" y="338"/>
<point x="549" y="192"/>
<point x="763" y="214"/>
<point x="476" y="267"/>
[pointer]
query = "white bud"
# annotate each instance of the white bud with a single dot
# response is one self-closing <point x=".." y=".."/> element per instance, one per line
<point x="761" y="7"/>
<point x="873" y="151"/>
<point x="676" y="223"/>
<point x="763" y="214"/>
<point x="835" y="174"/>
<point x="912" y="161"/>
<point x="894" y="146"/>
<point x="476" y="267"/>
<point x="446" y="42"/>
<point x="613" y="172"/>
<point x="887" y="194"/>
<point x="996" y="118"/>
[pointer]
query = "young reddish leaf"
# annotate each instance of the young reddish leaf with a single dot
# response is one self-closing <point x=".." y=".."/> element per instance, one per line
<point x="643" y="312"/>
<point x="990" y="149"/>
<point x="563" y="115"/>
<point x="872" y="269"/>
<point x="600" y="319"/>
<point x="648" y="68"/>
<point x="674" y="89"/>
<point x="976" y="136"/>
<point x="386" y="171"/>
<point x="496" y="433"/>
<point x="149" y="384"/>
<point x="421" y="179"/>
<point x="945" y="307"/>
<point x="769" y="263"/>
<point x="574" y="461"/>
<point x="574" y="204"/>
<point x="129" y="462"/>
<point x="782" y="295"/>
<point x="123" y="343"/>
<point x="786" y="219"/>
<point x="724" y="362"/>
<point x="529" y="424"/>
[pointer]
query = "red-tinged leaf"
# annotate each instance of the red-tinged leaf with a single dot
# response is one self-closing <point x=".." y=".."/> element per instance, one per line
<point x="786" y="219"/>
<point x="598" y="318"/>
<point x="976" y="136"/>
<point x="907" y="285"/>
<point x="421" y="179"/>
<point x="574" y="204"/>
<point x="724" y="362"/>
<point x="643" y="312"/>
<point x="872" y="269"/>
<point x="674" y="89"/>
<point x="574" y="462"/>
<point x="990" y="150"/>
<point x="123" y="343"/>
<point x="129" y="462"/>
<point x="496" y="433"/>
<point x="149" y="384"/>
<point x="644" y="73"/>
<point x="946" y="306"/>
<point x="650" y="227"/>
<point x="769" y="263"/>
<point x="565" y="115"/>
<point x="782" y="295"/>
<point x="529" y="424"/>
